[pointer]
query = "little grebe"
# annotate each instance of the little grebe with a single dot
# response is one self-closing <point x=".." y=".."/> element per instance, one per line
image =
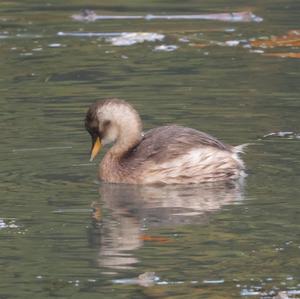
<point x="169" y="154"/>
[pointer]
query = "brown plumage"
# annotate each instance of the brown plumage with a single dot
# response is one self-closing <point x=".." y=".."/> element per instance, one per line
<point x="168" y="154"/>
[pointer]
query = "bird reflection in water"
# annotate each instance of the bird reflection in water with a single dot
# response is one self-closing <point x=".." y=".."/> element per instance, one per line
<point x="131" y="210"/>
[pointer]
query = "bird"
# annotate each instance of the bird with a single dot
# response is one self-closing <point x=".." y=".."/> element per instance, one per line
<point x="170" y="154"/>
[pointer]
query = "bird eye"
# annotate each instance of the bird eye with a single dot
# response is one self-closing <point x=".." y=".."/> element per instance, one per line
<point x="92" y="131"/>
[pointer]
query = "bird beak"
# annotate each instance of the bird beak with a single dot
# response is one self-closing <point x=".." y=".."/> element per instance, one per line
<point x="95" y="148"/>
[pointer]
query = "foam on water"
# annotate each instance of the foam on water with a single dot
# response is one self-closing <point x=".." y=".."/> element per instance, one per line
<point x="128" y="39"/>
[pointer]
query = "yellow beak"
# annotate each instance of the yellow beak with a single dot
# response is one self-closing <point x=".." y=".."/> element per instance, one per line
<point x="95" y="149"/>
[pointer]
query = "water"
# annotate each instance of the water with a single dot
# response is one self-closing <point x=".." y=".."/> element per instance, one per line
<point x="64" y="235"/>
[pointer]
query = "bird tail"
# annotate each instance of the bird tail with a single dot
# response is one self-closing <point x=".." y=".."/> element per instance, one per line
<point x="240" y="149"/>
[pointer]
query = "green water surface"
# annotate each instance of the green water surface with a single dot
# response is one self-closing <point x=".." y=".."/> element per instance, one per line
<point x="64" y="235"/>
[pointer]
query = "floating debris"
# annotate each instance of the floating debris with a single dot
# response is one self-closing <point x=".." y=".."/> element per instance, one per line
<point x="26" y="54"/>
<point x="7" y="224"/>
<point x="275" y="42"/>
<point x="287" y="294"/>
<point x="55" y="45"/>
<point x="166" y="48"/>
<point x="284" y="55"/>
<point x="199" y="45"/>
<point x="257" y="51"/>
<point x="61" y="211"/>
<point x="228" y="43"/>
<point x="2" y="224"/>
<point x="27" y="35"/>
<point x="245" y="16"/>
<point x="261" y="45"/>
<point x="89" y="34"/>
<point x="216" y="281"/>
<point x="145" y="279"/>
<point x="230" y="30"/>
<point x="282" y="134"/>
<point x="291" y="39"/>
<point x="119" y="38"/>
<point x="128" y="39"/>
<point x="273" y="294"/>
<point x="184" y="40"/>
<point x="85" y="15"/>
<point x="232" y="43"/>
<point x="250" y="292"/>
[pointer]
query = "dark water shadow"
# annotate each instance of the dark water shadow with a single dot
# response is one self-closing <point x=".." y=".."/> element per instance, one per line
<point x="132" y="210"/>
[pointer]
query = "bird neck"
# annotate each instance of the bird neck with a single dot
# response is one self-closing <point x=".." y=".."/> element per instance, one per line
<point x="130" y="134"/>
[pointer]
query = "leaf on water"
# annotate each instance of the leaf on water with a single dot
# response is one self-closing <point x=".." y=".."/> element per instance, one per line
<point x="199" y="45"/>
<point x="291" y="39"/>
<point x="155" y="239"/>
<point x="276" y="42"/>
